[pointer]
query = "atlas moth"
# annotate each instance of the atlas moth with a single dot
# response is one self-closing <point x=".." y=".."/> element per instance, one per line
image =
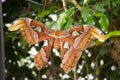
<point x="70" y="55"/>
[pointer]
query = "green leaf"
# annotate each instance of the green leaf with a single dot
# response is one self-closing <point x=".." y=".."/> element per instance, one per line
<point x="13" y="39"/>
<point x="55" y="26"/>
<point x="61" y="20"/>
<point x="43" y="14"/>
<point x="104" y="22"/>
<point x="64" y="16"/>
<point x="90" y="20"/>
<point x="68" y="24"/>
<point x="98" y="14"/>
<point x="52" y="8"/>
<point x="106" y="3"/>
<point x="113" y="33"/>
<point x="50" y="23"/>
<point x="86" y="13"/>
<point x="70" y="12"/>
<point x="23" y="43"/>
<point x="47" y="12"/>
<point x="98" y="7"/>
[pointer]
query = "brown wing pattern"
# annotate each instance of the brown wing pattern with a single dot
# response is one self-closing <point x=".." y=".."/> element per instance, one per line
<point x="77" y="39"/>
<point x="41" y="59"/>
<point x="24" y="25"/>
<point x="80" y="43"/>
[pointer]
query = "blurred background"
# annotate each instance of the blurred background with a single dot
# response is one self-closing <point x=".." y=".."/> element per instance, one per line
<point x="100" y="62"/>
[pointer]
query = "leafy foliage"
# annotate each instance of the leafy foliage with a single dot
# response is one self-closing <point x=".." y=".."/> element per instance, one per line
<point x="113" y="33"/>
<point x="95" y="63"/>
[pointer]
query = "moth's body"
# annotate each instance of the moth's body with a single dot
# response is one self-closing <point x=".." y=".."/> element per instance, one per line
<point x="76" y="42"/>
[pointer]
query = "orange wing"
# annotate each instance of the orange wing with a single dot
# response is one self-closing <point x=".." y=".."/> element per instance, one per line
<point x="81" y="42"/>
<point x="41" y="59"/>
<point x="26" y="26"/>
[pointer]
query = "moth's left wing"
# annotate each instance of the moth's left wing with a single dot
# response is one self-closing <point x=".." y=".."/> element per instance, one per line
<point x="24" y="24"/>
<point x="41" y="59"/>
<point x="35" y="32"/>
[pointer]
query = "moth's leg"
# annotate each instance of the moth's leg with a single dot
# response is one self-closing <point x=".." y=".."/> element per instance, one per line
<point x="41" y="59"/>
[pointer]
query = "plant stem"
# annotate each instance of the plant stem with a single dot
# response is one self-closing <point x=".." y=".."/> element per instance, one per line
<point x="64" y="5"/>
<point x="75" y="75"/>
<point x="38" y="74"/>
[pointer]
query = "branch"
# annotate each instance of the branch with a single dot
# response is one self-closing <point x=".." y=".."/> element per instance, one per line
<point x="64" y="5"/>
<point x="76" y="4"/>
<point x="75" y="74"/>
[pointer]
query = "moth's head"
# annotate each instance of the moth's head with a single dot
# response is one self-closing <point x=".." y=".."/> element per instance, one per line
<point x="95" y="32"/>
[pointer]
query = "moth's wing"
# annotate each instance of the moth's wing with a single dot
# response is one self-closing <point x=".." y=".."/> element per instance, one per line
<point x="24" y="24"/>
<point x="27" y="27"/>
<point x="70" y="56"/>
<point x="65" y="44"/>
<point x="41" y="59"/>
<point x="81" y="42"/>
<point x="69" y="37"/>
<point x="32" y="36"/>
<point x="70" y="59"/>
<point x="44" y="32"/>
